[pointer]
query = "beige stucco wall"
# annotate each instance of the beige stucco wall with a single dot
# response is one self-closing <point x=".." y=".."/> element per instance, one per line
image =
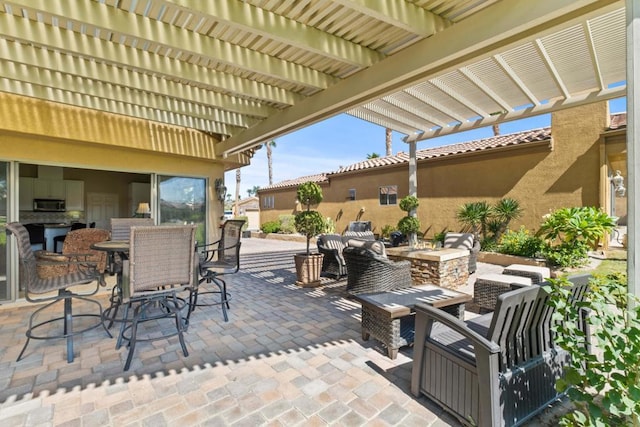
<point x="36" y="131"/>
<point x="562" y="172"/>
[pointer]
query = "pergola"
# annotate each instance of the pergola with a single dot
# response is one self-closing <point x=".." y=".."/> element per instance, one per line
<point x="248" y="71"/>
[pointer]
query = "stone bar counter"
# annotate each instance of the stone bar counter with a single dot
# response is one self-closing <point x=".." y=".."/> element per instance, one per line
<point x="444" y="267"/>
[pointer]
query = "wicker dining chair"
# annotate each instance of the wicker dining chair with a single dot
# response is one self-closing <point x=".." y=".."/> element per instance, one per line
<point x="39" y="290"/>
<point x="217" y="259"/>
<point x="121" y="227"/>
<point x="161" y="265"/>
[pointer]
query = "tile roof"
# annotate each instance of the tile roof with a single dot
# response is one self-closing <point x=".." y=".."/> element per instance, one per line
<point x="618" y="121"/>
<point x="494" y="142"/>
<point x="317" y="178"/>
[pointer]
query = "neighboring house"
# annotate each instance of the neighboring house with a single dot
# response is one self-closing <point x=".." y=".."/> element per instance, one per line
<point x="568" y="164"/>
<point x="250" y="208"/>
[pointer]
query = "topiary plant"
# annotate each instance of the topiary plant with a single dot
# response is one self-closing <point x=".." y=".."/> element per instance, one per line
<point x="410" y="224"/>
<point x="308" y="222"/>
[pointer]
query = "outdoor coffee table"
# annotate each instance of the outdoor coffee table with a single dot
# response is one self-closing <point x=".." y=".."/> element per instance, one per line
<point x="390" y="318"/>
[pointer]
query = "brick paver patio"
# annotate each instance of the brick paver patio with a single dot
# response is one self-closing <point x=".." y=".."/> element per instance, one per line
<point x="288" y="356"/>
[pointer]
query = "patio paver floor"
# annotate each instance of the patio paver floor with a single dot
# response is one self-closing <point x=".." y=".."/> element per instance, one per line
<point x="288" y="356"/>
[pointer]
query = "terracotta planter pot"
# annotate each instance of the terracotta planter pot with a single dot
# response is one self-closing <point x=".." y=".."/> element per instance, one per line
<point x="308" y="269"/>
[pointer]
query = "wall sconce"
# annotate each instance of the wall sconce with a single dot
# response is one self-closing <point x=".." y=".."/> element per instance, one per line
<point x="618" y="184"/>
<point x="143" y="210"/>
<point x="221" y="190"/>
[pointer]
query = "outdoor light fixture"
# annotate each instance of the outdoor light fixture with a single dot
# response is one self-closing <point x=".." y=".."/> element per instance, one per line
<point x="618" y="184"/>
<point x="143" y="210"/>
<point x="221" y="190"/>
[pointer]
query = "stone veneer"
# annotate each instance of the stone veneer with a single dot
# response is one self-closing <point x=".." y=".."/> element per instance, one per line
<point x="448" y="268"/>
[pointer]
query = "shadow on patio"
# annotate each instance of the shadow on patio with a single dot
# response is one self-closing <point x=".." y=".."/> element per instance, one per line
<point x="288" y="355"/>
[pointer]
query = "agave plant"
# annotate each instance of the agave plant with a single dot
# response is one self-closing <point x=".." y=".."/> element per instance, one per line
<point x="474" y="215"/>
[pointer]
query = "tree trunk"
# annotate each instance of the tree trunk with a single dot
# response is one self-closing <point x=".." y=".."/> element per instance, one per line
<point x="237" y="201"/>
<point x="388" y="141"/>
<point x="269" y="162"/>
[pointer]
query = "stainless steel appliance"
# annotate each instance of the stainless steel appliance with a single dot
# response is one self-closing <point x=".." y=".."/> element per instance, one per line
<point x="49" y="205"/>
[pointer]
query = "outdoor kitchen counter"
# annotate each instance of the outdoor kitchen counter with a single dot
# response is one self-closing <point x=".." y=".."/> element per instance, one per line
<point x="446" y="267"/>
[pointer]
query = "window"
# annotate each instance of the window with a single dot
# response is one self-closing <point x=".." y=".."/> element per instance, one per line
<point x="352" y="194"/>
<point x="389" y="195"/>
<point x="183" y="201"/>
<point x="267" y="202"/>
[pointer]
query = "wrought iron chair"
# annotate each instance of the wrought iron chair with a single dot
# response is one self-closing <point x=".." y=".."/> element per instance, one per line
<point x="39" y="290"/>
<point x="161" y="265"/>
<point x="217" y="259"/>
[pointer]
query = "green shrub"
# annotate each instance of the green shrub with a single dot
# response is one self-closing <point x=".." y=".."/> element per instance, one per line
<point x="520" y="243"/>
<point x="409" y="203"/>
<point x="287" y="224"/>
<point x="329" y="226"/>
<point x="309" y="223"/>
<point x="408" y="225"/>
<point x="439" y="237"/>
<point x="386" y="230"/>
<point x="566" y="254"/>
<point x="570" y="232"/>
<point x="271" y="227"/>
<point x="605" y="388"/>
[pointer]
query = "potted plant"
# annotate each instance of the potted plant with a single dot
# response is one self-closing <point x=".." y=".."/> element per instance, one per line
<point x="410" y="224"/>
<point x="309" y="223"/>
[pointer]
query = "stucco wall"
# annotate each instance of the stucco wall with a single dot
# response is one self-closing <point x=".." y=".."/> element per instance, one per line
<point x="562" y="172"/>
<point x="41" y="132"/>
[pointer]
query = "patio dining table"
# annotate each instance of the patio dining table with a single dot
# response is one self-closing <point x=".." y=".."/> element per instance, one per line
<point x="113" y="247"/>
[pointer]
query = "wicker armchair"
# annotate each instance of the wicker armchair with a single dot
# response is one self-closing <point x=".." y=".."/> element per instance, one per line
<point x="76" y="250"/>
<point x="464" y="241"/>
<point x="367" y="271"/>
<point x="333" y="263"/>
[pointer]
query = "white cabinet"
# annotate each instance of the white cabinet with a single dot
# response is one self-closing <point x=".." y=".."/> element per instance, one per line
<point x="74" y="195"/>
<point x="25" y="195"/>
<point x="48" y="189"/>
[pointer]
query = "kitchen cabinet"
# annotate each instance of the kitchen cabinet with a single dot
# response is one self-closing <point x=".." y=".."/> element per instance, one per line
<point x="48" y="189"/>
<point x="25" y="194"/>
<point x="74" y="195"/>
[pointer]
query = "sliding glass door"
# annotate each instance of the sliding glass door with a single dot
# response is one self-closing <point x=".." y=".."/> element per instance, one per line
<point x="182" y="200"/>
<point x="4" y="182"/>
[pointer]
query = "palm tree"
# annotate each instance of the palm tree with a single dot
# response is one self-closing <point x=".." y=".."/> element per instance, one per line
<point x="253" y="191"/>
<point x="373" y="156"/>
<point x="475" y="215"/>
<point x="388" y="141"/>
<point x="237" y="207"/>
<point x="270" y="145"/>
<point x="504" y="211"/>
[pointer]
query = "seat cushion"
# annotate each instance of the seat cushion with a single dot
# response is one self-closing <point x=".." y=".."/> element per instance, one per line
<point x="374" y="245"/>
<point x="459" y="241"/>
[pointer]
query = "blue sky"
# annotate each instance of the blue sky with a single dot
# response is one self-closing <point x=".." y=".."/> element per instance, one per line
<point x="344" y="140"/>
